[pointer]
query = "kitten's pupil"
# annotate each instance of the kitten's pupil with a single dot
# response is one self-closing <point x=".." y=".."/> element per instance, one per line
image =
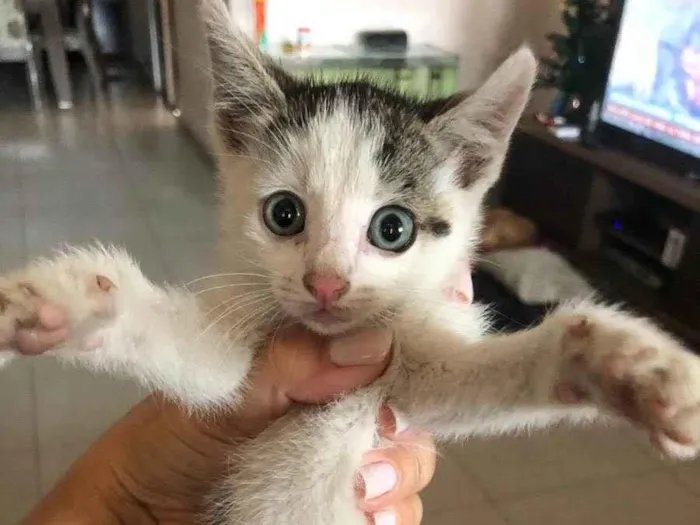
<point x="285" y="213"/>
<point x="392" y="228"/>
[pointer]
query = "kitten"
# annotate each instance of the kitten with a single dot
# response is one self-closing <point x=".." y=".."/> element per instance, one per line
<point x="350" y="206"/>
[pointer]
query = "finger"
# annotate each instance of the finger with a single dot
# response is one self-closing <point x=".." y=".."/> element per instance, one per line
<point x="367" y="347"/>
<point x="395" y="473"/>
<point x="393" y="426"/>
<point x="330" y="383"/>
<point x="297" y="367"/>
<point x="406" y="512"/>
<point x="34" y="342"/>
<point x="335" y="367"/>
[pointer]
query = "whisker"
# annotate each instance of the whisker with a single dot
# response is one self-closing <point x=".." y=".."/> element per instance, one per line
<point x="251" y="316"/>
<point x="226" y="286"/>
<point x="234" y="299"/>
<point x="228" y="311"/>
<point x="217" y="275"/>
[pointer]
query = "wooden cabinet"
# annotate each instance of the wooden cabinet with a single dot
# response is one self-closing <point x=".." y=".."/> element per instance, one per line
<point x="547" y="186"/>
<point x="564" y="187"/>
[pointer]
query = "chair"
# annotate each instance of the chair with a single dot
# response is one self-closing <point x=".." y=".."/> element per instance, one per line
<point x="16" y="46"/>
<point x="79" y="35"/>
<point x="54" y="26"/>
<point x="76" y="33"/>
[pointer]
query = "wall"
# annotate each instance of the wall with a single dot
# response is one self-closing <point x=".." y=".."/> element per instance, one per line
<point x="192" y="63"/>
<point x="482" y="32"/>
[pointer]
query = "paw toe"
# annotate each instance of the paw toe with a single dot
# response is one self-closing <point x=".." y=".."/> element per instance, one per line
<point x="579" y="327"/>
<point x="104" y="283"/>
<point x="672" y="449"/>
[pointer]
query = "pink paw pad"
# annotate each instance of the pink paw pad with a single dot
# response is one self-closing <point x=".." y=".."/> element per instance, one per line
<point x="104" y="283"/>
<point x="579" y="327"/>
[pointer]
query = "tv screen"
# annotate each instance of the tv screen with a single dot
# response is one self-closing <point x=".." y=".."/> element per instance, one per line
<point x="654" y="83"/>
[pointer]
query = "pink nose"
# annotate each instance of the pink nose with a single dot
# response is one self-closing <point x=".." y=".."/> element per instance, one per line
<point x="326" y="287"/>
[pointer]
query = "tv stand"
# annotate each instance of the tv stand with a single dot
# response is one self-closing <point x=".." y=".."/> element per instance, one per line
<point x="566" y="188"/>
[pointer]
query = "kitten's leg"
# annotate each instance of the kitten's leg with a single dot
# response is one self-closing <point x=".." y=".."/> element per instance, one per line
<point x="581" y="362"/>
<point x="301" y="470"/>
<point x="121" y="322"/>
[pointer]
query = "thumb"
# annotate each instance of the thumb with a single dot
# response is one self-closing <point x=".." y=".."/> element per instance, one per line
<point x="302" y="367"/>
<point x="342" y="365"/>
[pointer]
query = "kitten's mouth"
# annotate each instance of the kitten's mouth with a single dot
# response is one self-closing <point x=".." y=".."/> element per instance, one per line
<point x="329" y="320"/>
<point x="331" y="315"/>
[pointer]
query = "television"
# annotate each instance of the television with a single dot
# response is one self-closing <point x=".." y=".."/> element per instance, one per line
<point x="651" y="104"/>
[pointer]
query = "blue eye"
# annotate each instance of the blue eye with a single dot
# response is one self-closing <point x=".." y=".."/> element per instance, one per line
<point x="284" y="214"/>
<point x="392" y="229"/>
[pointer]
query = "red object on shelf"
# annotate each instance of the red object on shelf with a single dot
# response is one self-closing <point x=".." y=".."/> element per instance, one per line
<point x="303" y="38"/>
<point x="260" y="9"/>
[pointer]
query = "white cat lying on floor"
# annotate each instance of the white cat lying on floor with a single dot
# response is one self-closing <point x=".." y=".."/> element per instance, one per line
<point x="347" y="206"/>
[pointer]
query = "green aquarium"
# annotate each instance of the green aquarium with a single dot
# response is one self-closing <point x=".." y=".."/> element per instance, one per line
<point x="422" y="71"/>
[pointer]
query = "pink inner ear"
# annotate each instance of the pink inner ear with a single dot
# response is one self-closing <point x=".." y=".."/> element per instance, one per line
<point x="462" y="289"/>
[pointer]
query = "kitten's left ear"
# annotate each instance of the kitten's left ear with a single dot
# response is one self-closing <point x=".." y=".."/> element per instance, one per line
<point x="248" y="85"/>
<point x="477" y="127"/>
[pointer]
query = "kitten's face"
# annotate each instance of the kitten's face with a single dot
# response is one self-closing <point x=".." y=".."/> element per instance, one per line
<point x="357" y="200"/>
<point x="352" y="218"/>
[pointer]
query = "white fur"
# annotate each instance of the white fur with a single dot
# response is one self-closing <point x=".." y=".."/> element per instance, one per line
<point x="152" y="334"/>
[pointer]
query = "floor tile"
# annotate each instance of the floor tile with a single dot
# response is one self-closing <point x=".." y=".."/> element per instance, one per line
<point x="9" y="170"/>
<point x="18" y="455"/>
<point x="19" y="488"/>
<point x="48" y="230"/>
<point x="177" y="215"/>
<point x="17" y="424"/>
<point x="187" y="174"/>
<point x="451" y="488"/>
<point x="74" y="407"/>
<point x="688" y="474"/>
<point x="13" y="249"/>
<point x="477" y="515"/>
<point x="10" y="201"/>
<point x="183" y="162"/>
<point x="19" y="126"/>
<point x="650" y="499"/>
<point x="510" y="466"/>
<point x="92" y="195"/>
<point x="187" y="258"/>
<point x="83" y="130"/>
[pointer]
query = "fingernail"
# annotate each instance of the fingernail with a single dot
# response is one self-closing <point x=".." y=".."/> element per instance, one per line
<point x="369" y="347"/>
<point x="385" y="517"/>
<point x="378" y="479"/>
<point x="400" y="421"/>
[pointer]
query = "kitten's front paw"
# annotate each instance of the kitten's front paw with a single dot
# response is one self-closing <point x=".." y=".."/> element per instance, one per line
<point x="630" y="367"/>
<point x="37" y="316"/>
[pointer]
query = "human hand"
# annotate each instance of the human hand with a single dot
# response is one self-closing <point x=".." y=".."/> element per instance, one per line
<point x="160" y="463"/>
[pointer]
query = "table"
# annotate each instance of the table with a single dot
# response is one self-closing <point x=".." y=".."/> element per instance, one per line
<point x="422" y="70"/>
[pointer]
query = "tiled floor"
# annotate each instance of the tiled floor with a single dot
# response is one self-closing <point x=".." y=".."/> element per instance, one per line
<point x="124" y="173"/>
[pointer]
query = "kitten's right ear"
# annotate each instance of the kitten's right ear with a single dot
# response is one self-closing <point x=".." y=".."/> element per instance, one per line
<point x="478" y="126"/>
<point x="247" y="84"/>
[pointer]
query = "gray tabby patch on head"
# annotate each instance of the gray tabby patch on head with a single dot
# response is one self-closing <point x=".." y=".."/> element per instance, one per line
<point x="257" y="103"/>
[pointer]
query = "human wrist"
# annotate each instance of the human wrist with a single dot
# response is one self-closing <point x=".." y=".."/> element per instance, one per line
<point x="89" y="493"/>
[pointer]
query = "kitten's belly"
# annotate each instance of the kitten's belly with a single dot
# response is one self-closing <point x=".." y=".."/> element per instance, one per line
<point x="310" y="459"/>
